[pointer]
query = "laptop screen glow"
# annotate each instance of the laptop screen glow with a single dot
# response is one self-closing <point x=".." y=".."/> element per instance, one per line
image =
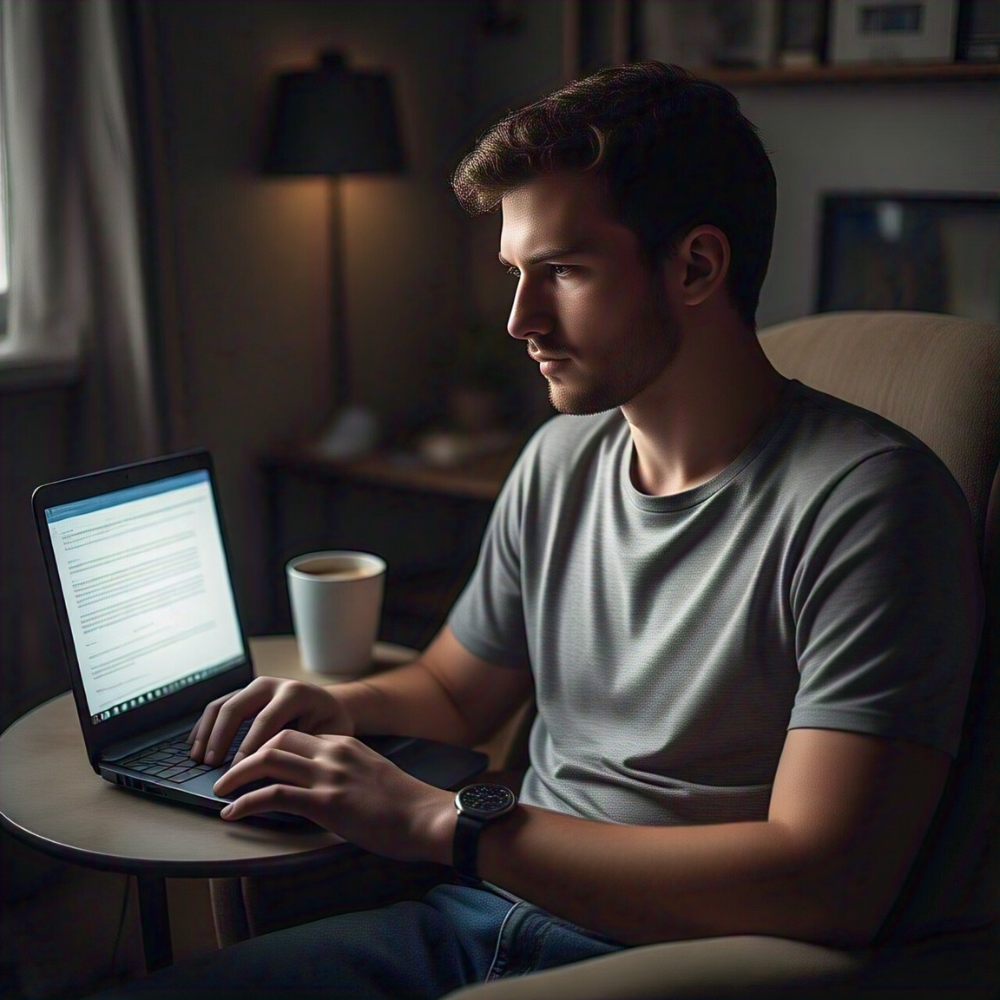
<point x="147" y="590"/>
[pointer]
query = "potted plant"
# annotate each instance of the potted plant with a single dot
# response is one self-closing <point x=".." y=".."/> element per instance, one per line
<point x="481" y="378"/>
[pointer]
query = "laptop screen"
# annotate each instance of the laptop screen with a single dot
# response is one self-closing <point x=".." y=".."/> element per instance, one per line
<point x="146" y="586"/>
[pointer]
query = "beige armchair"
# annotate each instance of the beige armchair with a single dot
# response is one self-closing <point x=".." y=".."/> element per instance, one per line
<point x="938" y="377"/>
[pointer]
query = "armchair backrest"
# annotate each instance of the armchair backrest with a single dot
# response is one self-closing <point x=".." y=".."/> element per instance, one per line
<point x="939" y="378"/>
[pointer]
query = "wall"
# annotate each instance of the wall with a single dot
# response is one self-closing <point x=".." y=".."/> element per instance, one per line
<point x="248" y="254"/>
<point x="846" y="137"/>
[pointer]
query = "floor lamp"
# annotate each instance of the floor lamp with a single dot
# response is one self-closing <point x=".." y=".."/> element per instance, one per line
<point x="329" y="122"/>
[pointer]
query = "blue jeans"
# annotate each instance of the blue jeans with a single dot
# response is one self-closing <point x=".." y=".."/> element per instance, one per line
<point x="456" y="935"/>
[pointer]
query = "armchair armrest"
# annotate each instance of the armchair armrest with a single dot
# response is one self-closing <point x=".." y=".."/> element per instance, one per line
<point x="740" y="966"/>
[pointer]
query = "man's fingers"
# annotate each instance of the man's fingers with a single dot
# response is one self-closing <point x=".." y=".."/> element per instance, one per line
<point x="270" y="764"/>
<point x="336" y="782"/>
<point x="199" y="735"/>
<point x="273" y="705"/>
<point x="274" y="798"/>
<point x="207" y="718"/>
<point x="273" y="717"/>
<point x="231" y="713"/>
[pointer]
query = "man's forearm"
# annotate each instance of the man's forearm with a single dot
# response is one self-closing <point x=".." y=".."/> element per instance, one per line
<point x="406" y="701"/>
<point x="847" y="815"/>
<point x="447" y="694"/>
<point x="645" y="884"/>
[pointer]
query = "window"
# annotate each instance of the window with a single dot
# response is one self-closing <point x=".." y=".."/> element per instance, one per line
<point x="66" y="188"/>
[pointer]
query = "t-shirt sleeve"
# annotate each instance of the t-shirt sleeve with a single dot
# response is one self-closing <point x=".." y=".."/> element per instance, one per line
<point x="488" y="617"/>
<point x="888" y="605"/>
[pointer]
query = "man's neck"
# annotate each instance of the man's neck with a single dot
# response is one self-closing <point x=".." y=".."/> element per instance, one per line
<point x="702" y="411"/>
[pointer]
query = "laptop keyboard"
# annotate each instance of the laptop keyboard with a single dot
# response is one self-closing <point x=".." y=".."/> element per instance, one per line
<point x="171" y="759"/>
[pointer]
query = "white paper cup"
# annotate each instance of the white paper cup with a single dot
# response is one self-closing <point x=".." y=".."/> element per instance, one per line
<point x="336" y="600"/>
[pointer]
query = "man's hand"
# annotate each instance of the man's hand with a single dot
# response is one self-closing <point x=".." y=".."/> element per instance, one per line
<point x="348" y="788"/>
<point x="275" y="704"/>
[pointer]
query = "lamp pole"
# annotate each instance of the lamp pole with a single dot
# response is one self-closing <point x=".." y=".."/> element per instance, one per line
<point x="340" y="353"/>
<point x="329" y="122"/>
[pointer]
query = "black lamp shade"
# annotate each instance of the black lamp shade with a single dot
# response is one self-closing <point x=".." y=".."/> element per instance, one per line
<point x="333" y="121"/>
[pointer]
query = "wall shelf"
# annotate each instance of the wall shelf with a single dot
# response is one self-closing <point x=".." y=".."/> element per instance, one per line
<point x="603" y="33"/>
<point x="861" y="73"/>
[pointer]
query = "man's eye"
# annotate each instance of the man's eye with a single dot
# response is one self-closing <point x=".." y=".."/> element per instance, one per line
<point x="559" y="270"/>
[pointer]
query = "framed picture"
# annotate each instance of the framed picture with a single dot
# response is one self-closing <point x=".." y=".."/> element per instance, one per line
<point x="701" y="34"/>
<point x="879" y="31"/>
<point x="802" y="33"/>
<point x="979" y="31"/>
<point x="926" y="252"/>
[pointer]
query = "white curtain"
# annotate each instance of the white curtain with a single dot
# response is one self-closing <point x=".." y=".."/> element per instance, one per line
<point x="77" y="302"/>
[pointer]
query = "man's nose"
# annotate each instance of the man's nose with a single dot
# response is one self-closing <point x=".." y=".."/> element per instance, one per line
<point x="530" y="313"/>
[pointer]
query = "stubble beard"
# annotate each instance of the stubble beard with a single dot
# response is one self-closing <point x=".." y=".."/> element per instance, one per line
<point x="603" y="396"/>
<point x="581" y="403"/>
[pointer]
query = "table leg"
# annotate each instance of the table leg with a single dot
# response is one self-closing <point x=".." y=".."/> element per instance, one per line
<point x="154" y="918"/>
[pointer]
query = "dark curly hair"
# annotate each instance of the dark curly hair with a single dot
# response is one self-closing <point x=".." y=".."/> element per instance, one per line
<point x="674" y="151"/>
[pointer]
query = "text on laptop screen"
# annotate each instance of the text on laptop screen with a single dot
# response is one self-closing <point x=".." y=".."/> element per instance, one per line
<point x="147" y="591"/>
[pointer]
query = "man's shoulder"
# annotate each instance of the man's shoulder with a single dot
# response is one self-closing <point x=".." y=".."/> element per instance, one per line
<point x="833" y="444"/>
<point x="830" y="429"/>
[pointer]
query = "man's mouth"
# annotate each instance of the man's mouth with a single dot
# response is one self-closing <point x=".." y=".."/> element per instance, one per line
<point x="549" y="362"/>
<point x="544" y="357"/>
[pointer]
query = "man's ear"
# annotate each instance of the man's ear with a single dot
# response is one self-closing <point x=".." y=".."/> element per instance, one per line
<point x="700" y="265"/>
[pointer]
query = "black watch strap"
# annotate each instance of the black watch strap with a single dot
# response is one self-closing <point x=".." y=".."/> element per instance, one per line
<point x="466" y="848"/>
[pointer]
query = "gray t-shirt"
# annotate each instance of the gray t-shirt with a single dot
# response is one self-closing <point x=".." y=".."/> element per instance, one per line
<point x="827" y="578"/>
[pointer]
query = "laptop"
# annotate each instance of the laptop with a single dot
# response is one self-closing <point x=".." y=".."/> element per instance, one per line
<point x="136" y="561"/>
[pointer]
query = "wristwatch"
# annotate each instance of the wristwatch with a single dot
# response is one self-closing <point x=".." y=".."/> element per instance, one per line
<point x="477" y="805"/>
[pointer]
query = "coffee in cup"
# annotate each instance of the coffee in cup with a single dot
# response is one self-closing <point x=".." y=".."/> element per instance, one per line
<point x="336" y="600"/>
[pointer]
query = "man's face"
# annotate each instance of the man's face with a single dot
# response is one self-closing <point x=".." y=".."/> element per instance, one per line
<point x="591" y="313"/>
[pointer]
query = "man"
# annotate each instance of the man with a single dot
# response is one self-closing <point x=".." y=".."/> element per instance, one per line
<point x="747" y="611"/>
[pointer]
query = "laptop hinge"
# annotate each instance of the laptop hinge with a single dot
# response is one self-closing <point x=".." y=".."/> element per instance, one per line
<point x="125" y="748"/>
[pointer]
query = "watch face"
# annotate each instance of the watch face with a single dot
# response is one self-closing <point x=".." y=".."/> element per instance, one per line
<point x="485" y="801"/>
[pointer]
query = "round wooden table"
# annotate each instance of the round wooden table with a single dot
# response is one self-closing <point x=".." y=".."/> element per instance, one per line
<point x="51" y="799"/>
